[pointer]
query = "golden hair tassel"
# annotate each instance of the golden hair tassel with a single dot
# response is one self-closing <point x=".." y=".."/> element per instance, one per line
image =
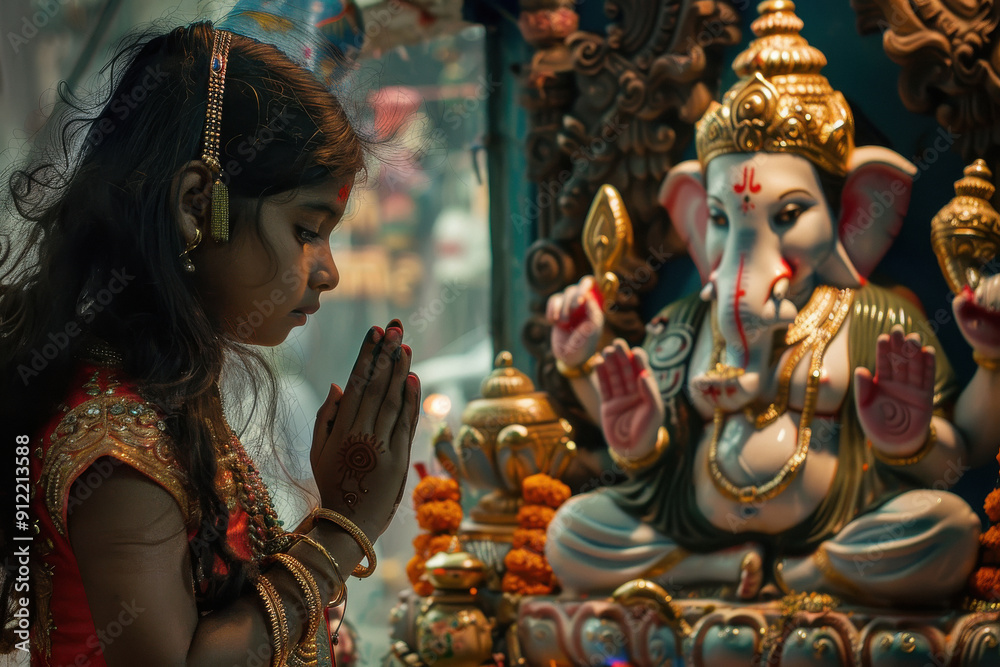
<point x="213" y="133"/>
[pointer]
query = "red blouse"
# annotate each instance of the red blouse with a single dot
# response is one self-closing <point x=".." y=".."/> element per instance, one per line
<point x="102" y="423"/>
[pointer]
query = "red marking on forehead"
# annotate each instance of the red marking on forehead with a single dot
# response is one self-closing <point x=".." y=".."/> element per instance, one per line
<point x="344" y="193"/>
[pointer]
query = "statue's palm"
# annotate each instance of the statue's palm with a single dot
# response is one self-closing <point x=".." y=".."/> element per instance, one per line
<point x="631" y="407"/>
<point x="895" y="405"/>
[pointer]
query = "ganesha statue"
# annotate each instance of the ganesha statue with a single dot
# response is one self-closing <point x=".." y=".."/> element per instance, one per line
<point x="792" y="424"/>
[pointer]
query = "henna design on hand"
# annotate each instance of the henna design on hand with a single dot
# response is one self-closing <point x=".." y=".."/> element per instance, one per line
<point x="358" y="458"/>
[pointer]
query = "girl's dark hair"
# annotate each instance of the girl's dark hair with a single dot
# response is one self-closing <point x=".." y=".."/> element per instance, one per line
<point x="98" y="217"/>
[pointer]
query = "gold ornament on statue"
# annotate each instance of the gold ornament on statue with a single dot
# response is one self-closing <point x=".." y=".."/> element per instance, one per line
<point x="965" y="233"/>
<point x="782" y="104"/>
<point x="607" y="239"/>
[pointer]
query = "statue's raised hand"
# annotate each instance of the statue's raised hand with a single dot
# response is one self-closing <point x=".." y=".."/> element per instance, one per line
<point x="978" y="316"/>
<point x="362" y="438"/>
<point x="631" y="406"/>
<point x="577" y="321"/>
<point x="895" y="405"/>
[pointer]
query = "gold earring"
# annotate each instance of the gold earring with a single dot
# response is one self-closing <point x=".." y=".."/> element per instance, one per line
<point x="185" y="259"/>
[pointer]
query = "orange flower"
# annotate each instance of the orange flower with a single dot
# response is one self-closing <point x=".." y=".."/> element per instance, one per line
<point x="440" y="516"/>
<point x="985" y="583"/>
<point x="435" y="488"/>
<point x="421" y="541"/>
<point x="513" y="583"/>
<point x="992" y="505"/>
<point x="991" y="539"/>
<point x="527" y="564"/>
<point x="535" y="516"/>
<point x="532" y="539"/>
<point x="541" y="489"/>
<point x="415" y="569"/>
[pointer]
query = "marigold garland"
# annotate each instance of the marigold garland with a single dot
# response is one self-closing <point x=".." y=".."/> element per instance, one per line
<point x="535" y="516"/>
<point x="544" y="490"/>
<point x="436" y="488"/>
<point x="984" y="582"/>
<point x="533" y="540"/>
<point x="992" y="505"/>
<point x="528" y="571"/>
<point x="440" y="516"/>
<point x="438" y="512"/>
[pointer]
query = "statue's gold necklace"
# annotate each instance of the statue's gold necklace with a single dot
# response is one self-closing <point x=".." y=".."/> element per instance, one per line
<point x="813" y="329"/>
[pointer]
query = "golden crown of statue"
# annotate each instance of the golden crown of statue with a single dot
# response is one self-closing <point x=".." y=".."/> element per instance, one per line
<point x="782" y="104"/>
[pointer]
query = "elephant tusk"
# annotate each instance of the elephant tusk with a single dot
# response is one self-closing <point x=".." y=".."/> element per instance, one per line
<point x="780" y="290"/>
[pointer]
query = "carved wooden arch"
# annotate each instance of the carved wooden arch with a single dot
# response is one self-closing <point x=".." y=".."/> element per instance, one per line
<point x="617" y="109"/>
<point x="949" y="51"/>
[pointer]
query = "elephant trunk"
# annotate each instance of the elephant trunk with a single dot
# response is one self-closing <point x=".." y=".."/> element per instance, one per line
<point x="751" y="292"/>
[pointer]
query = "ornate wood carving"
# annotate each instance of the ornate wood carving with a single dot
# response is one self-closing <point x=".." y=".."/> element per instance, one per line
<point x="949" y="51"/>
<point x="622" y="115"/>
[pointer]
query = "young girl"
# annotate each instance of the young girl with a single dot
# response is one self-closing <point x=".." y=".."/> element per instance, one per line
<point x="193" y="225"/>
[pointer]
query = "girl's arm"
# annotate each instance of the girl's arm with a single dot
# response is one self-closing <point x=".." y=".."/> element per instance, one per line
<point x="131" y="545"/>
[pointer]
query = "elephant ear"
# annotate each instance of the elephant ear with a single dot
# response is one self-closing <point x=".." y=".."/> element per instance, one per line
<point x="874" y="202"/>
<point x="683" y="195"/>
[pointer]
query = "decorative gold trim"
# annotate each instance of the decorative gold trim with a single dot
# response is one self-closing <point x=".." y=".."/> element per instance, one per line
<point x="583" y="370"/>
<point x="916" y="456"/>
<point x="805" y="330"/>
<point x="817" y="342"/>
<point x="782" y="103"/>
<point x="779" y="577"/>
<point x="278" y="621"/>
<point x="633" y="465"/>
<point x="666" y="563"/>
<point x="986" y="363"/>
<point x="213" y="133"/>
<point x="822" y="562"/>
<point x="121" y="427"/>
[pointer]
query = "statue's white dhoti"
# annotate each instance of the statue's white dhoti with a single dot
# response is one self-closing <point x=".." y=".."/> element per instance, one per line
<point x="925" y="536"/>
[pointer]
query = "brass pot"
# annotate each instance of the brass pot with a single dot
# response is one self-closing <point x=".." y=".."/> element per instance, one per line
<point x="509" y="434"/>
<point x="965" y="233"/>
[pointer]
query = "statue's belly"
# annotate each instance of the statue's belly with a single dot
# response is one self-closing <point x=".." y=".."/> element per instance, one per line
<point x="747" y="456"/>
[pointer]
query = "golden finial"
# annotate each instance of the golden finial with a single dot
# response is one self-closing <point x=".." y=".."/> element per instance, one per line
<point x="965" y="233"/>
<point x="782" y="104"/>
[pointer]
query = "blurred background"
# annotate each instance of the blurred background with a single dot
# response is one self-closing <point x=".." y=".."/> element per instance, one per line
<point x="414" y="245"/>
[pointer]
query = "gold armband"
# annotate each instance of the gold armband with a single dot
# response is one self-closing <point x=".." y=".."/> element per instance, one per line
<point x="986" y="363"/>
<point x="633" y="465"/>
<point x="583" y="370"/>
<point x="929" y="443"/>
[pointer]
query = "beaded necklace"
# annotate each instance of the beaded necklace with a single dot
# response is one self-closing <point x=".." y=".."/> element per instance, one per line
<point x="816" y="343"/>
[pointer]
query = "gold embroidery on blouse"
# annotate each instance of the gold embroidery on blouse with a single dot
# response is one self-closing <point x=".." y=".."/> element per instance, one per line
<point x="116" y="426"/>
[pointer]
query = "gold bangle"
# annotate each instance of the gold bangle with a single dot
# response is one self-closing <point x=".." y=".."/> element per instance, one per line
<point x="925" y="448"/>
<point x="584" y="369"/>
<point x="633" y="465"/>
<point x="356" y="533"/>
<point x="342" y="590"/>
<point x="986" y="363"/>
<point x="279" y="623"/>
<point x="779" y="578"/>
<point x="305" y="580"/>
